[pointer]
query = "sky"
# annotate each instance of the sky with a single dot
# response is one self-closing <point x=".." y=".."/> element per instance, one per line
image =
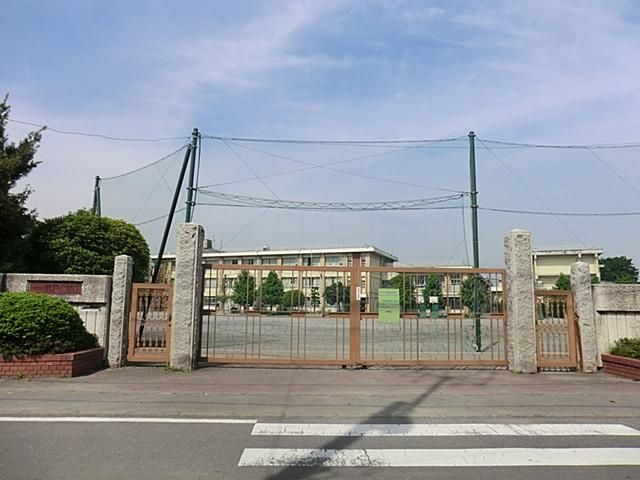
<point x="542" y="72"/>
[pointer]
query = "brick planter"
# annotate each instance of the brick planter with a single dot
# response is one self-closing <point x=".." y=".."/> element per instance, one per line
<point x="621" y="366"/>
<point x="70" y="364"/>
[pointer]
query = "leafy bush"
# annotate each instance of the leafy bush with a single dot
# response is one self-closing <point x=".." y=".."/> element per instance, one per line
<point x="293" y="298"/>
<point x="33" y="324"/>
<point x="83" y="243"/>
<point x="627" y="347"/>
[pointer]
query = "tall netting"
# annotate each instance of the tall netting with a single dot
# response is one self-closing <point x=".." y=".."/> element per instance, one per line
<point x="410" y="198"/>
<point x="403" y="197"/>
<point x="143" y="196"/>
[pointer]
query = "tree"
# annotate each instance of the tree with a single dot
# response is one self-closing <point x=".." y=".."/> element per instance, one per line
<point x="563" y="282"/>
<point x="338" y="294"/>
<point x="244" y="289"/>
<point x="16" y="220"/>
<point x="270" y="293"/>
<point x="314" y="298"/>
<point x="83" y="243"/>
<point x="618" y="270"/>
<point x="475" y="293"/>
<point x="407" y="287"/>
<point x="433" y="288"/>
<point x="293" y="298"/>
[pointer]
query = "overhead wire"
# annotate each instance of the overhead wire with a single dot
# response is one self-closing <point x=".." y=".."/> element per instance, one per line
<point x="97" y="135"/>
<point x="337" y="162"/>
<point x="562" y="214"/>
<point x="560" y="146"/>
<point x="155" y="219"/>
<point x="411" y="204"/>
<point x="151" y="164"/>
<point x="614" y="171"/>
<point x="258" y="177"/>
<point x="331" y="142"/>
<point x="347" y="172"/>
<point x="531" y="192"/>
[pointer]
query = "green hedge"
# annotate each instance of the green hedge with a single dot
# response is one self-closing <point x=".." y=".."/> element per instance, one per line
<point x="33" y="324"/>
<point x="627" y="347"/>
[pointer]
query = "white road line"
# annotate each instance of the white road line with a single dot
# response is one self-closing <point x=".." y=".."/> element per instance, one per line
<point x="439" y="430"/>
<point x="481" y="457"/>
<point x="126" y="420"/>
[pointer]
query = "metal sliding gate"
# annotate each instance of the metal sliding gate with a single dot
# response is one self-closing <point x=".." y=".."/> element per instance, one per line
<point x="150" y="322"/>
<point x="330" y="315"/>
<point x="556" y="329"/>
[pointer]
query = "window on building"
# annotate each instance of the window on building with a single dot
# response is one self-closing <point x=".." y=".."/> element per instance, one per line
<point x="311" y="261"/>
<point x="269" y="261"/>
<point x="230" y="261"/>
<point x="289" y="282"/>
<point x="290" y="260"/>
<point x="248" y="261"/>
<point x="308" y="282"/>
<point x="334" y="261"/>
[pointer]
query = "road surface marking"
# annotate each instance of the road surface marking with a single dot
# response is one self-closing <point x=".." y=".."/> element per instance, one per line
<point x="466" y="457"/>
<point x="439" y="430"/>
<point x="126" y="420"/>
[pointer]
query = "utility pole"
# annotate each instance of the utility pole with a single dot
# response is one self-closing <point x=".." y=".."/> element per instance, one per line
<point x="96" y="209"/>
<point x="474" y="229"/>
<point x="474" y="199"/>
<point x="172" y="211"/>
<point x="192" y="169"/>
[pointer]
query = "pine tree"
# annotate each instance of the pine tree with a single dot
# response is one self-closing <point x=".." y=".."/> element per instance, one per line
<point x="271" y="291"/>
<point x="16" y="220"/>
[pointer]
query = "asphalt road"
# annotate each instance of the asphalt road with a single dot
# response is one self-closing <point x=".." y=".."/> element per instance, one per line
<point x="420" y="398"/>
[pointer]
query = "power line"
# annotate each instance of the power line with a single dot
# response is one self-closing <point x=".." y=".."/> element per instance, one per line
<point x="559" y="146"/>
<point x="330" y="142"/>
<point x="562" y="214"/>
<point x="97" y="135"/>
<point x="533" y="194"/>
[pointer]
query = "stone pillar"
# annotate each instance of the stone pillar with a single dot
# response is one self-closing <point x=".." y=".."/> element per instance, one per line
<point x="187" y="297"/>
<point x="581" y="286"/>
<point x="521" y="323"/>
<point x="120" y="311"/>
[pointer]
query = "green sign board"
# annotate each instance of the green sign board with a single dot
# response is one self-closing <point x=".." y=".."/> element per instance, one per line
<point x="389" y="305"/>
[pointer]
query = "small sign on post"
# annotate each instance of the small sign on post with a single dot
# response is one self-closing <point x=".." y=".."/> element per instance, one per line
<point x="389" y="305"/>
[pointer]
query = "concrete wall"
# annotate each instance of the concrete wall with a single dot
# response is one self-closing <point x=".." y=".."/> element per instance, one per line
<point x="92" y="300"/>
<point x="617" y="314"/>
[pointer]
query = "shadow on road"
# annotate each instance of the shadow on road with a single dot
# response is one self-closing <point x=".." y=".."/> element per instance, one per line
<point x="399" y="412"/>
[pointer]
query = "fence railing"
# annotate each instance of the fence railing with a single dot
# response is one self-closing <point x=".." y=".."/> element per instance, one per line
<point x="335" y="315"/>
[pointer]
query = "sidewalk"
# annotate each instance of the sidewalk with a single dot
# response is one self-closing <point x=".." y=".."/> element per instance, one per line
<point x="293" y="393"/>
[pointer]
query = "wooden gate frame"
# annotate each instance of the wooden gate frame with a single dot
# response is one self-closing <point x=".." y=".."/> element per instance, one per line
<point x="131" y="351"/>
<point x="572" y="331"/>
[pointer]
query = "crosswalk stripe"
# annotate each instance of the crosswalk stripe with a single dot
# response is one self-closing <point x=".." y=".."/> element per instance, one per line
<point x="127" y="420"/>
<point x="481" y="457"/>
<point x="436" y="430"/>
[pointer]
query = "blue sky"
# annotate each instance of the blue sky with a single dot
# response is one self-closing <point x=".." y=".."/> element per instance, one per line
<point x="549" y="72"/>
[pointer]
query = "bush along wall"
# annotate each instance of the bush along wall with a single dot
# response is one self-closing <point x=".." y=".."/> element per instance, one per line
<point x="624" y="359"/>
<point x="40" y="335"/>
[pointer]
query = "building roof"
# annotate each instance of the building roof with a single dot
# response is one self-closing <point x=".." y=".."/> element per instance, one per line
<point x="589" y="250"/>
<point x="267" y="252"/>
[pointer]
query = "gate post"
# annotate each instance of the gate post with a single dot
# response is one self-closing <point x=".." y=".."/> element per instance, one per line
<point x="187" y="297"/>
<point x="581" y="286"/>
<point x="521" y="326"/>
<point x="120" y="310"/>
